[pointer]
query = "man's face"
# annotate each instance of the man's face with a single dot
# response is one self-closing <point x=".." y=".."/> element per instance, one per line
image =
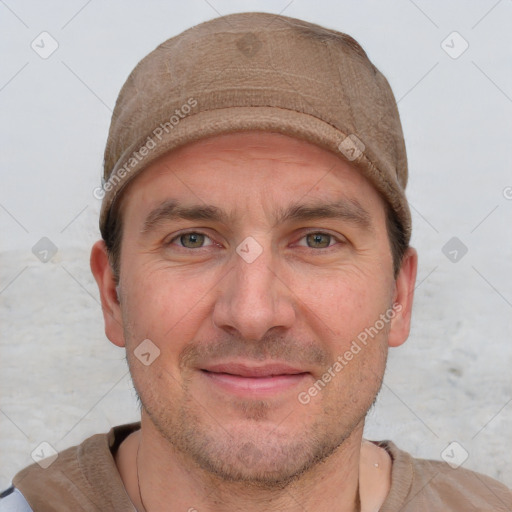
<point x="257" y="273"/>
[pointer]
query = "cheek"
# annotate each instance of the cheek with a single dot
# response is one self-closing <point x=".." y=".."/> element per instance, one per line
<point x="345" y="302"/>
<point x="160" y="309"/>
<point x="164" y="306"/>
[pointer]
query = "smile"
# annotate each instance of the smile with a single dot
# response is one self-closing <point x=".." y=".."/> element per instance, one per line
<point x="253" y="381"/>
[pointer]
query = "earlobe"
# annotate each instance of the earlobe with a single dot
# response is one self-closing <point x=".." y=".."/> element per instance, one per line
<point x="403" y="296"/>
<point x="104" y="276"/>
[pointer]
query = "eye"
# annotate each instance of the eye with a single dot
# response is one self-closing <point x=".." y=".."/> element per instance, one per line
<point x="191" y="240"/>
<point x="318" y="240"/>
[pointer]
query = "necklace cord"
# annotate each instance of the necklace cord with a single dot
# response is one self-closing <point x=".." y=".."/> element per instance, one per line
<point x="138" y="479"/>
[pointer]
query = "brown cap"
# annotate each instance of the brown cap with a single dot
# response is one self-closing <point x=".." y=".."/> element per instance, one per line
<point x="258" y="71"/>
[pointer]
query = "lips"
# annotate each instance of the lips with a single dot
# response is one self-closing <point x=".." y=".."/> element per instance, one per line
<point x="242" y="370"/>
<point x="254" y="381"/>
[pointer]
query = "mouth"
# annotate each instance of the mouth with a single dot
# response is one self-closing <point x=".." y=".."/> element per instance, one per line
<point x="248" y="380"/>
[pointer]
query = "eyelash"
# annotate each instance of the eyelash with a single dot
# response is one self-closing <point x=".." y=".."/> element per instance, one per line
<point x="329" y="247"/>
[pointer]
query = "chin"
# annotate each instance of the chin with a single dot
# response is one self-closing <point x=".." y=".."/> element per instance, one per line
<point x="252" y="453"/>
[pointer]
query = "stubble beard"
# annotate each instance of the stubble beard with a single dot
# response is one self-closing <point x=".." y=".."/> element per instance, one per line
<point x="259" y="455"/>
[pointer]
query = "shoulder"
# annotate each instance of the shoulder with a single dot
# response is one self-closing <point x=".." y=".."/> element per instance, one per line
<point x="77" y="477"/>
<point x="430" y="485"/>
<point x="62" y="481"/>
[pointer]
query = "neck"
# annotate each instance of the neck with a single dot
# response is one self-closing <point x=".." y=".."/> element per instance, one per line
<point x="169" y="477"/>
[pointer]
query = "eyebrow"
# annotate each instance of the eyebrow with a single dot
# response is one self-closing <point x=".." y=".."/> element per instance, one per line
<point x="348" y="210"/>
<point x="173" y="210"/>
<point x="345" y="209"/>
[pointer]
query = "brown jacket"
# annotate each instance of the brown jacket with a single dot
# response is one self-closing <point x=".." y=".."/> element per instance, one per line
<point x="85" y="478"/>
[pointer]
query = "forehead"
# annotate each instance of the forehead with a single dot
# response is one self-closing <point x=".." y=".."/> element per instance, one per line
<point x="239" y="170"/>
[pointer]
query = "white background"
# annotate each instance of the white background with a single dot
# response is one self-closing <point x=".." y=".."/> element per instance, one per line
<point x="61" y="380"/>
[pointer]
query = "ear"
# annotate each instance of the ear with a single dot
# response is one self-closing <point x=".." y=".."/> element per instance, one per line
<point x="403" y="297"/>
<point x="102" y="271"/>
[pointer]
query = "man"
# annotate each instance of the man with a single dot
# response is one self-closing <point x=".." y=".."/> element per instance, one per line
<point x="255" y="265"/>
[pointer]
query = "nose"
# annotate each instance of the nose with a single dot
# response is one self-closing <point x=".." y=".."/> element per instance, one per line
<point x="254" y="298"/>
